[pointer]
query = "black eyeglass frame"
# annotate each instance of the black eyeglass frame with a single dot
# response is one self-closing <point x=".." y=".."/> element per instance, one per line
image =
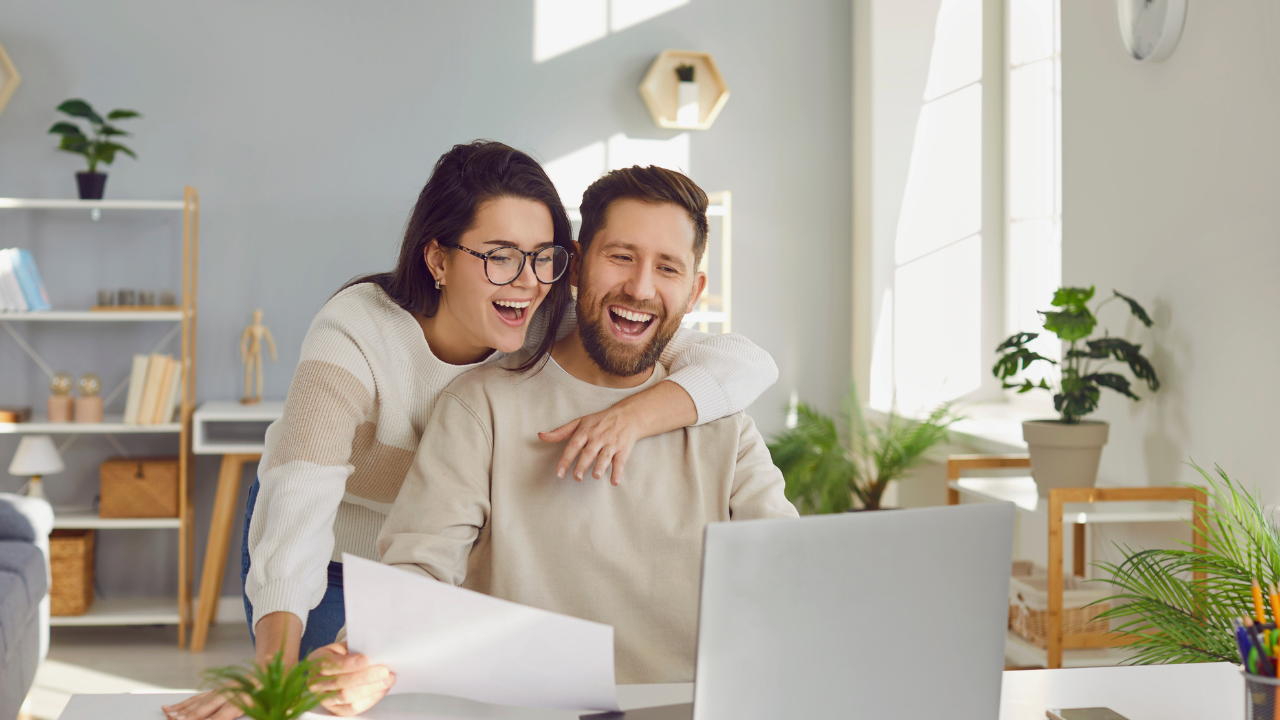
<point x="524" y="257"/>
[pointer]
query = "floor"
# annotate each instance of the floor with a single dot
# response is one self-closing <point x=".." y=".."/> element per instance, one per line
<point x="127" y="659"/>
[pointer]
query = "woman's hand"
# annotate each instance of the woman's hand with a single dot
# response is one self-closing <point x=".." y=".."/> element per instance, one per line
<point x="205" y="706"/>
<point x="608" y="437"/>
<point x="357" y="685"/>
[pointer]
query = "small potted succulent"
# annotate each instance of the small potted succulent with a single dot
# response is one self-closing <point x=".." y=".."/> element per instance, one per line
<point x="1065" y="452"/>
<point x="687" y="112"/>
<point x="830" y="469"/>
<point x="98" y="146"/>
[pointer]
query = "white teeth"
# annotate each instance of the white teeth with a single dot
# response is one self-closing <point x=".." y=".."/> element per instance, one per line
<point x="632" y="316"/>
<point x="518" y="304"/>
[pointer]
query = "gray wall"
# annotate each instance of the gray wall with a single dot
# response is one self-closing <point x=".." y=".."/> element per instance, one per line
<point x="1171" y="174"/>
<point x="309" y="128"/>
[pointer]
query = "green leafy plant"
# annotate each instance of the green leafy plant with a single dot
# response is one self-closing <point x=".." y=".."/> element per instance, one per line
<point x="98" y="145"/>
<point x="684" y="73"/>
<point x="269" y="692"/>
<point x="827" y="467"/>
<point x="1078" y="391"/>
<point x="1169" y="615"/>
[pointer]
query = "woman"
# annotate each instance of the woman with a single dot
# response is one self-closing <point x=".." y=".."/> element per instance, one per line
<point x="480" y="274"/>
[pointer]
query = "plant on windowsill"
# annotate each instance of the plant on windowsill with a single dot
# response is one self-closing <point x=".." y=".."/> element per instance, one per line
<point x="269" y="692"/>
<point x="98" y="146"/>
<point x="828" y="467"/>
<point x="1065" y="452"/>
<point x="1168" y="615"/>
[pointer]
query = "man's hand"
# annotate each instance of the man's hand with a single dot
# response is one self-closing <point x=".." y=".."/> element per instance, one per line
<point x="357" y="685"/>
<point x="608" y="437"/>
<point x="205" y="706"/>
<point x="605" y="438"/>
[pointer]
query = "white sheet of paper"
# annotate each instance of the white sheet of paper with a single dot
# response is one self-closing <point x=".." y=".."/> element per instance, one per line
<point x="445" y="640"/>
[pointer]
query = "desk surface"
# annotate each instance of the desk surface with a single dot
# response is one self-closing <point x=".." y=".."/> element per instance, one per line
<point x="1166" y="692"/>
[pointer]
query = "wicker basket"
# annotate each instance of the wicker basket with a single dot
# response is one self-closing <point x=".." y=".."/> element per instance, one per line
<point x="138" y="488"/>
<point x="71" y="564"/>
<point x="1029" y="606"/>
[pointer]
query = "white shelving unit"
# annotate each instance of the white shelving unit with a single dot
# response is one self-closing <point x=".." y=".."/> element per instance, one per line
<point x="92" y="316"/>
<point x="114" y="425"/>
<point x="129" y="611"/>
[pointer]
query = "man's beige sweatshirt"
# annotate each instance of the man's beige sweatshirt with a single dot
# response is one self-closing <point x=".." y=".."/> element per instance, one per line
<point x="481" y="507"/>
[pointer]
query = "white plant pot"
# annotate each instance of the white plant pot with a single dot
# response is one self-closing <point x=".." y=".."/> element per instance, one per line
<point x="687" y="104"/>
<point x="1062" y="455"/>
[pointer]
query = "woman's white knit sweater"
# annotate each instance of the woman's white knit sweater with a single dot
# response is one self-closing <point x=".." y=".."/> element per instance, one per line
<point x="360" y="397"/>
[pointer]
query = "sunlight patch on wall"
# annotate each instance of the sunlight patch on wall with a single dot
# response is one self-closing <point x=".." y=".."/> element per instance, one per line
<point x="560" y="26"/>
<point x="563" y="25"/>
<point x="625" y="13"/>
<point x="574" y="171"/>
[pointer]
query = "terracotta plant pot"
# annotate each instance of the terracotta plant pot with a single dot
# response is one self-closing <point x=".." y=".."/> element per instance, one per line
<point x="91" y="185"/>
<point x="1062" y="455"/>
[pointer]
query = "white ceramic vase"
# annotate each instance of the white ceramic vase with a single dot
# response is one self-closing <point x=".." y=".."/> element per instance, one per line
<point x="1064" y="455"/>
<point x="687" y="103"/>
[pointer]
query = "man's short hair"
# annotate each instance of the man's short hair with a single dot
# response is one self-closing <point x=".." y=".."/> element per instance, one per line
<point x="647" y="184"/>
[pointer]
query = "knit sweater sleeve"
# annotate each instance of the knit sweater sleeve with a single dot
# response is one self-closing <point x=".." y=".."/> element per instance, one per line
<point x="444" y="501"/>
<point x="723" y="374"/>
<point x="758" y="487"/>
<point x="305" y="466"/>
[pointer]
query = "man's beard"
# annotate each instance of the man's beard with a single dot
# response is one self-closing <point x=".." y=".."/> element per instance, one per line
<point x="605" y="350"/>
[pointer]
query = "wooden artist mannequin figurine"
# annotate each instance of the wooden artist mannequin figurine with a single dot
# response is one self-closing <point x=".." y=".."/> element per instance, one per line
<point x="251" y="355"/>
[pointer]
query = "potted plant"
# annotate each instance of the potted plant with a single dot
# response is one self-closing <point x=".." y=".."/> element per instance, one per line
<point x="1065" y="452"/>
<point x="827" y="467"/>
<point x="269" y="692"/>
<point x="1167" y="614"/>
<point x="97" y="146"/>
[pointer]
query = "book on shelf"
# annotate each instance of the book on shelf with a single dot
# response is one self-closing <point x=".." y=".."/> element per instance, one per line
<point x="21" y="289"/>
<point x="137" y="381"/>
<point x="156" y="388"/>
<point x="175" y="393"/>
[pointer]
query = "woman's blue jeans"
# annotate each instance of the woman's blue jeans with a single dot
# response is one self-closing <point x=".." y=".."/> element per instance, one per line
<point x="323" y="622"/>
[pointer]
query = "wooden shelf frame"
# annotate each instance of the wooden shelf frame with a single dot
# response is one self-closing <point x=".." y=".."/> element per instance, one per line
<point x="146" y="611"/>
<point x="1058" y="498"/>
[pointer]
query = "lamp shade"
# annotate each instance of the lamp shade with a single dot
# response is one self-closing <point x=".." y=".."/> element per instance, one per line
<point x="36" y="455"/>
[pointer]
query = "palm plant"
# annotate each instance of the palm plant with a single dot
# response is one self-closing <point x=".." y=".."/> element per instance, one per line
<point x="827" y="467"/>
<point x="1169" y="615"/>
<point x="272" y="691"/>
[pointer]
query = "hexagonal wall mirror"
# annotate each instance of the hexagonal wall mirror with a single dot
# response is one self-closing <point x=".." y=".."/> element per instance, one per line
<point x="9" y="78"/>
<point x="684" y="90"/>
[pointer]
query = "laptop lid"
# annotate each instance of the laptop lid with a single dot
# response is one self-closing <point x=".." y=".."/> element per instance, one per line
<point x="893" y="614"/>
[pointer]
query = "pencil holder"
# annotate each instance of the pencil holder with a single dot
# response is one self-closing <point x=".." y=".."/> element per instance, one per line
<point x="1260" y="696"/>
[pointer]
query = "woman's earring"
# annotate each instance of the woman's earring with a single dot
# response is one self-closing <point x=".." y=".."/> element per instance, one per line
<point x="437" y="283"/>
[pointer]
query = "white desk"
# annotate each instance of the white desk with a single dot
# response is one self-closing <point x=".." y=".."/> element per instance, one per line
<point x="1166" y="692"/>
<point x="237" y="433"/>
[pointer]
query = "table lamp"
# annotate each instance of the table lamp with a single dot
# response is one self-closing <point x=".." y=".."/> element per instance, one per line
<point x="36" y="456"/>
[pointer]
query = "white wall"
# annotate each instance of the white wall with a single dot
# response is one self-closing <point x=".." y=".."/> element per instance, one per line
<point x="1172" y="194"/>
<point x="310" y="126"/>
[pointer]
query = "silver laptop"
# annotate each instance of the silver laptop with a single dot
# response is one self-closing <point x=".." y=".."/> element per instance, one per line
<point x="896" y="614"/>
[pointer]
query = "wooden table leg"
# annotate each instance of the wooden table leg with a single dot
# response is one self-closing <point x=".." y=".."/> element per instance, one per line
<point x="1054" y="631"/>
<point x="215" y="552"/>
<point x="1077" y="550"/>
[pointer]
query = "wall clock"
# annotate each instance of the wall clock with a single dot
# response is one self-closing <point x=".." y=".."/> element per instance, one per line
<point x="1150" y="29"/>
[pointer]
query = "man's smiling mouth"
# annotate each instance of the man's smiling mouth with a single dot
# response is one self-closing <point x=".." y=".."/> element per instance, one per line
<point x="630" y="323"/>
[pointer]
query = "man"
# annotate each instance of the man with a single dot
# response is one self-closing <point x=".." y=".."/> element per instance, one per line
<point x="483" y="506"/>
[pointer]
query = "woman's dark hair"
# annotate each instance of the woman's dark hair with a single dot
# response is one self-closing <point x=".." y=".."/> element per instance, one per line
<point x="464" y="178"/>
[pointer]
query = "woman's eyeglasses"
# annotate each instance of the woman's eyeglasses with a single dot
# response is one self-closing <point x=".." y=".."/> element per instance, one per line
<point x="503" y="265"/>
